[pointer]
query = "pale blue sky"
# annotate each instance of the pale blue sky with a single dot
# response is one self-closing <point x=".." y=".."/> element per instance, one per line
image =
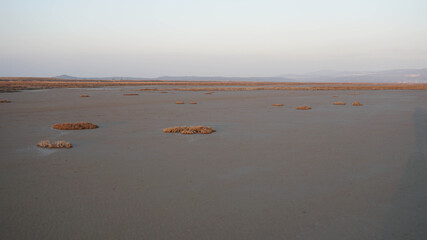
<point x="210" y="38"/>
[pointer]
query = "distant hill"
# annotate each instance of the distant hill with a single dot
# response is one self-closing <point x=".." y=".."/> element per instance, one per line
<point x="66" y="77"/>
<point x="389" y="76"/>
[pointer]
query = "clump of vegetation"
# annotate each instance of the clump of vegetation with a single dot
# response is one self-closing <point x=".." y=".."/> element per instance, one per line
<point x="74" y="126"/>
<point x="5" y="101"/>
<point x="334" y="96"/>
<point x="193" y="103"/>
<point x="277" y="105"/>
<point x="303" y="108"/>
<point x="208" y="93"/>
<point x="163" y="92"/>
<point x="84" y="95"/>
<point x="179" y="102"/>
<point x="339" y="103"/>
<point x="190" y="130"/>
<point x="130" y="94"/>
<point x="56" y="144"/>
<point x="357" y="104"/>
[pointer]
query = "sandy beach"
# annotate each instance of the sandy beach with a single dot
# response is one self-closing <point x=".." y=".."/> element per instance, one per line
<point x="332" y="172"/>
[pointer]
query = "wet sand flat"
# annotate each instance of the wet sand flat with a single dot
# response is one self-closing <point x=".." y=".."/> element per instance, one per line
<point x="332" y="172"/>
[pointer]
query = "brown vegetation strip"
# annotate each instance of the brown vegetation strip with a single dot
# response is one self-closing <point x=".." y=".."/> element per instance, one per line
<point x="339" y="103"/>
<point x="5" y="101"/>
<point x="56" y="144"/>
<point x="74" y="126"/>
<point x="277" y="105"/>
<point x="11" y="84"/>
<point x="357" y="104"/>
<point x="179" y="102"/>
<point x="303" y="108"/>
<point x="190" y="130"/>
<point x="130" y="94"/>
<point x="84" y="95"/>
<point x="193" y="103"/>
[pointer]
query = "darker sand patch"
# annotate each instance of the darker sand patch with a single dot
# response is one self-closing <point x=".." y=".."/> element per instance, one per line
<point x="339" y="103"/>
<point x="190" y="130"/>
<point x="5" y="101"/>
<point x="303" y="108"/>
<point x="277" y="105"/>
<point x="353" y="93"/>
<point x="75" y="126"/>
<point x="130" y="94"/>
<point x="56" y="144"/>
<point x="357" y="104"/>
<point x="208" y="93"/>
<point x="163" y="92"/>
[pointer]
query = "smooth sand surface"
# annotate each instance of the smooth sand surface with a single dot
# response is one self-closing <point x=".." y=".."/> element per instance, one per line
<point x="267" y="173"/>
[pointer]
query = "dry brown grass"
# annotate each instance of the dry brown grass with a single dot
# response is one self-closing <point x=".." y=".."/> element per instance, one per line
<point x="334" y="96"/>
<point x="357" y="104"/>
<point x="163" y="92"/>
<point x="303" y="108"/>
<point x="208" y="93"/>
<point x="193" y="103"/>
<point x="130" y="94"/>
<point x="190" y="130"/>
<point x="12" y="84"/>
<point x="277" y="105"/>
<point x="84" y="95"/>
<point x="56" y="144"/>
<point x="339" y="103"/>
<point x="179" y="102"/>
<point x="74" y="126"/>
<point x="5" y="101"/>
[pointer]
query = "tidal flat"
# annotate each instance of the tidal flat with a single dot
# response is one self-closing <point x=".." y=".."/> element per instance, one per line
<point x="332" y="172"/>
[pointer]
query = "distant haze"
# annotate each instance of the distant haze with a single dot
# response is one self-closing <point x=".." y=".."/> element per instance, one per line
<point x="209" y="38"/>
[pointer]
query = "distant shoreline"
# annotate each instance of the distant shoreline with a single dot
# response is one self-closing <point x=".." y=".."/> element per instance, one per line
<point x="28" y="83"/>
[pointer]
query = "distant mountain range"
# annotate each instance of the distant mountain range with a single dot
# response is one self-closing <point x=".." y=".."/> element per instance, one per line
<point x="389" y="76"/>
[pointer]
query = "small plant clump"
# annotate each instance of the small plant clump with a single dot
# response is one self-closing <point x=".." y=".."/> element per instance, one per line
<point x="5" y="101"/>
<point x="339" y="103"/>
<point x="357" y="104"/>
<point x="334" y="96"/>
<point x="277" y="105"/>
<point x="130" y="94"/>
<point x="163" y="92"/>
<point x="303" y="108"/>
<point x="74" y="126"/>
<point x="56" y="144"/>
<point x="208" y="93"/>
<point x="179" y="102"/>
<point x="190" y="130"/>
<point x="193" y="103"/>
<point x="84" y="95"/>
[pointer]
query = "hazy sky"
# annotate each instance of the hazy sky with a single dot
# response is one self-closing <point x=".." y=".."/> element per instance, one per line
<point x="219" y="37"/>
